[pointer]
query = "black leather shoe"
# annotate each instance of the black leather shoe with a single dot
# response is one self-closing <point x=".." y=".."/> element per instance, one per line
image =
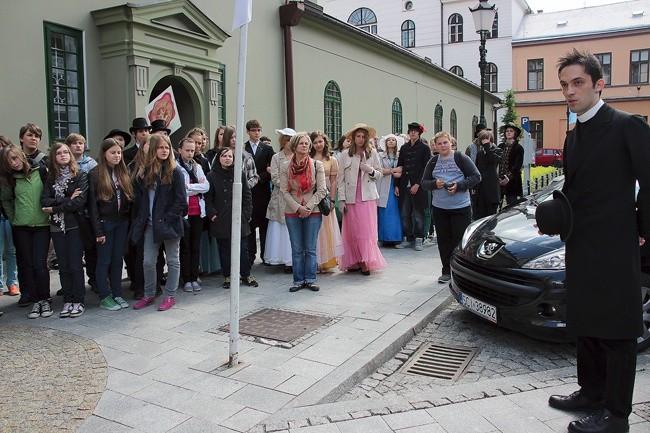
<point x="573" y="402"/>
<point x="601" y="421"/>
<point x="295" y="287"/>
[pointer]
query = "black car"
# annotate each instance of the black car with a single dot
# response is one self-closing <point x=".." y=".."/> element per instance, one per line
<point x="507" y="273"/>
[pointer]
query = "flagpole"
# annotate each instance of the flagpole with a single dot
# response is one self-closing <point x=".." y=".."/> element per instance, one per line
<point x="235" y="235"/>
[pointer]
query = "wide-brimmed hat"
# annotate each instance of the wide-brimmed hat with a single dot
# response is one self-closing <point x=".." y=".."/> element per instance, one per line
<point x="125" y="135"/>
<point x="160" y="125"/>
<point x="480" y="127"/>
<point x="286" y="131"/>
<point x="513" y="126"/>
<point x="555" y="217"/>
<point x="372" y="132"/>
<point x="382" y="141"/>
<point x="139" y="123"/>
<point x="416" y="126"/>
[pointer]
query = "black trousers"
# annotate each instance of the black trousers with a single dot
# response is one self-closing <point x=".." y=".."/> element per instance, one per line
<point x="32" y="244"/>
<point x="69" y="251"/>
<point x="450" y="226"/>
<point x="189" y="249"/>
<point x="262" y="223"/>
<point x="606" y="371"/>
<point x="90" y="248"/>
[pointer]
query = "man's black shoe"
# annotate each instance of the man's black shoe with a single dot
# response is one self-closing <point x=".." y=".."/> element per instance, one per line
<point x="601" y="421"/>
<point x="24" y="301"/>
<point x="573" y="402"/>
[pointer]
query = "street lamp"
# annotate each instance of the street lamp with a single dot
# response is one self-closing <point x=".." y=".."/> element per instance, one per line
<point x="483" y="14"/>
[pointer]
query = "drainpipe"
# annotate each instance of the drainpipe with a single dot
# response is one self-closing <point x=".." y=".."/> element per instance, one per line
<point x="290" y="15"/>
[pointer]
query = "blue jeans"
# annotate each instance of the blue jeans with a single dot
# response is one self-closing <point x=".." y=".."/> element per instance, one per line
<point x="109" y="257"/>
<point x="303" y="233"/>
<point x="149" y="263"/>
<point x="9" y="249"/>
<point x="69" y="252"/>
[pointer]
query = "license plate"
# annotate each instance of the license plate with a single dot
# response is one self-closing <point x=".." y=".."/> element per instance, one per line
<point x="479" y="307"/>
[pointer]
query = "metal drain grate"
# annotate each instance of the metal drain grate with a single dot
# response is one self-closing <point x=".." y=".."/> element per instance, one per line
<point x="440" y="361"/>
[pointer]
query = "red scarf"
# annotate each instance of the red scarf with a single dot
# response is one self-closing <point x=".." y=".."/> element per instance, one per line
<point x="301" y="174"/>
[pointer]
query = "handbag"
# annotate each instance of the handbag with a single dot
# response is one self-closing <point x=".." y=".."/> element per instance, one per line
<point x="325" y="205"/>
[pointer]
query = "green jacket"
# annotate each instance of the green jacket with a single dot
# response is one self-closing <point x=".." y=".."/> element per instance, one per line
<point x="22" y="204"/>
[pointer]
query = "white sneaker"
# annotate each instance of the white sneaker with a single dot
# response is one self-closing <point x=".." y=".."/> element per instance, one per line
<point x="65" y="311"/>
<point x="35" y="312"/>
<point x="404" y="244"/>
<point x="121" y="302"/>
<point x="46" y="309"/>
<point x="418" y="244"/>
<point x="188" y="287"/>
<point x="196" y="287"/>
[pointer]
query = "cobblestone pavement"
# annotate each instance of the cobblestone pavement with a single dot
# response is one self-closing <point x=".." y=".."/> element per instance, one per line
<point x="502" y="353"/>
<point x="51" y="380"/>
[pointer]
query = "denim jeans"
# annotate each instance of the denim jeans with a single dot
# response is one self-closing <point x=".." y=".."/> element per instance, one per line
<point x="9" y="249"/>
<point x="109" y="258"/>
<point x="224" y="255"/>
<point x="412" y="218"/>
<point x="303" y="234"/>
<point x="69" y="252"/>
<point x="151" y="250"/>
<point x="32" y="244"/>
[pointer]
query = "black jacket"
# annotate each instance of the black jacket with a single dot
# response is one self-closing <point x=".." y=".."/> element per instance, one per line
<point x="72" y="208"/>
<point x="510" y="165"/>
<point x="413" y="159"/>
<point x="168" y="212"/>
<point x="100" y="210"/>
<point x="218" y="201"/>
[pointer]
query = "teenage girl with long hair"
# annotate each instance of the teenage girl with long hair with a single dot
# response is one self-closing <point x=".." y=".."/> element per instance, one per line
<point x="109" y="206"/>
<point x="160" y="205"/>
<point x="22" y="185"/>
<point x="64" y="199"/>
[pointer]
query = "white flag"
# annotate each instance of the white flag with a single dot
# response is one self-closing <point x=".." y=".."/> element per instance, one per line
<point x="164" y="107"/>
<point x="243" y="13"/>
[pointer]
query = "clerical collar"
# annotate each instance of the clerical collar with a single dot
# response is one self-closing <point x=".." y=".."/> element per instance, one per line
<point x="587" y="115"/>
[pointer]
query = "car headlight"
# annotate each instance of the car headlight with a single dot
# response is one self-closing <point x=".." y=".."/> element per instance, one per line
<point x="469" y="231"/>
<point x="551" y="261"/>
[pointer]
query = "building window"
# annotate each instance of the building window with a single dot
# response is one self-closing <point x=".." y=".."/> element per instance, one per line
<point x="365" y="19"/>
<point x="457" y="70"/>
<point x="408" y="34"/>
<point x="453" y="124"/>
<point x="491" y="77"/>
<point x="495" y="27"/>
<point x="437" y="119"/>
<point x="536" y="74"/>
<point x="537" y="132"/>
<point x="397" y="118"/>
<point x="605" y="60"/>
<point x="65" y="82"/>
<point x="639" y="66"/>
<point x="333" y="111"/>
<point x="455" y="28"/>
<point x="221" y="96"/>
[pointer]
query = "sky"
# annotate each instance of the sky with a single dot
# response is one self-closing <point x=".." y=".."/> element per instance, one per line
<point x="560" y="5"/>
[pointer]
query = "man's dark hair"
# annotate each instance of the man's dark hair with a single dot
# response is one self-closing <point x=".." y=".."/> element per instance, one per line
<point x="253" y="124"/>
<point x="586" y="60"/>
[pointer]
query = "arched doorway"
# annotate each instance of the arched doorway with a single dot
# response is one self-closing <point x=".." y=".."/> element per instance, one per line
<point x="187" y="103"/>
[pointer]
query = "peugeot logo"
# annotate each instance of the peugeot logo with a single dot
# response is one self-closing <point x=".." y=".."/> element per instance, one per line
<point x="488" y="249"/>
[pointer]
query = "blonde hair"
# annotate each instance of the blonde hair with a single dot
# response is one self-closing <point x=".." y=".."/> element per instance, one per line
<point x="154" y="167"/>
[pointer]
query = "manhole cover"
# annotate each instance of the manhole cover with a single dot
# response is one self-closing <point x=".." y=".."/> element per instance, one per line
<point x="440" y="361"/>
<point x="278" y="325"/>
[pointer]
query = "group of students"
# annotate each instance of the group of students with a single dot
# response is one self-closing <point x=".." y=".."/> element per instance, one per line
<point x="153" y="204"/>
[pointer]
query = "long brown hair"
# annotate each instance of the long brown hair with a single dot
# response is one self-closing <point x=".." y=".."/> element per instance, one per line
<point x="326" y="148"/>
<point x="139" y="160"/>
<point x="105" y="190"/>
<point x="154" y="168"/>
<point x="217" y="144"/>
<point x="228" y="132"/>
<point x="7" y="178"/>
<point x="353" y="146"/>
<point x="54" y="169"/>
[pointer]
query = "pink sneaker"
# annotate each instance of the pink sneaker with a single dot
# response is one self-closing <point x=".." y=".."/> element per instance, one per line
<point x="144" y="302"/>
<point x="167" y="303"/>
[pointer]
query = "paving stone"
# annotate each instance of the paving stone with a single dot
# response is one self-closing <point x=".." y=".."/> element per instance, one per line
<point x="298" y="424"/>
<point x="339" y="417"/>
<point x="361" y="414"/>
<point x="318" y="420"/>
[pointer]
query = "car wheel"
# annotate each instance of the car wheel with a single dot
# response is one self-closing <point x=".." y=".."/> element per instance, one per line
<point x="644" y="340"/>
